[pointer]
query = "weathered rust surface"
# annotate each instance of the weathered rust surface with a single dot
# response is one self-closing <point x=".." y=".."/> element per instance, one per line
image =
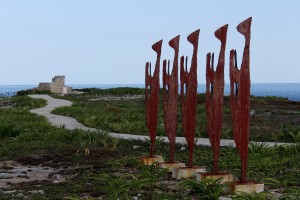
<point x="240" y="97"/>
<point x="188" y="96"/>
<point x="170" y="95"/>
<point x="151" y="96"/>
<point x="214" y="96"/>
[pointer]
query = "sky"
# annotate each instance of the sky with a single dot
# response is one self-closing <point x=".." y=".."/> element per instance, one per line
<point x="109" y="42"/>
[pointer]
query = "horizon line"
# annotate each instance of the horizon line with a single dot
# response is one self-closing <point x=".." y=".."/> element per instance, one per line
<point x="138" y="83"/>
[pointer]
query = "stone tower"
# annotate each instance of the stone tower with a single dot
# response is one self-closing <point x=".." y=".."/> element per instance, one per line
<point x="57" y="85"/>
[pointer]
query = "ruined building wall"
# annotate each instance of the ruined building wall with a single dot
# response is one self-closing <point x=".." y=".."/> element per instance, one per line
<point x="44" y="86"/>
<point x="57" y="85"/>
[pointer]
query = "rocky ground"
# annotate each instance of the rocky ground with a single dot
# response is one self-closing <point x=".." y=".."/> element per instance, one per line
<point x="33" y="175"/>
<point x="6" y="103"/>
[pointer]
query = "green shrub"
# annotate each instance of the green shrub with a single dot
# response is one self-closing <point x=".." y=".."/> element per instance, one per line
<point x="208" y="189"/>
<point x="9" y="131"/>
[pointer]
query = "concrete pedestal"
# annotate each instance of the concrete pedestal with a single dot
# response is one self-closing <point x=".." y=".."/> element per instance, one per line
<point x="150" y="160"/>
<point x="185" y="172"/>
<point x="226" y="177"/>
<point x="170" y="165"/>
<point x="249" y="187"/>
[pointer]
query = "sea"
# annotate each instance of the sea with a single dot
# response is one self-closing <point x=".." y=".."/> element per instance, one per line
<point x="286" y="90"/>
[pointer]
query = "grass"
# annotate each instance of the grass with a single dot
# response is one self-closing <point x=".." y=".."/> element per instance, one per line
<point x="98" y="166"/>
<point x="111" y="91"/>
<point x="273" y="119"/>
<point x="110" y="116"/>
<point x="208" y="189"/>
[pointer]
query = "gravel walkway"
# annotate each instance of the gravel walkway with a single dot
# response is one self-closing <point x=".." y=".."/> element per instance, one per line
<point x="71" y="123"/>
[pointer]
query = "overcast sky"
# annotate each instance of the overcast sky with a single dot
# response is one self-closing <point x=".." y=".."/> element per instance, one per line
<point x="109" y="42"/>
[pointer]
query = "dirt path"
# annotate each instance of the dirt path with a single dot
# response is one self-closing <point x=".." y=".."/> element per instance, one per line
<point x="71" y="123"/>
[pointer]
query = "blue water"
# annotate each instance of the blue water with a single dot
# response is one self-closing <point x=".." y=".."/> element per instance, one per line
<point x="287" y="90"/>
<point x="11" y="90"/>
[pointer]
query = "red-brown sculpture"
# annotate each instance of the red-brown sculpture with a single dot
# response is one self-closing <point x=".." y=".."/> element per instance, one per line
<point x="214" y="96"/>
<point x="188" y="96"/>
<point x="240" y="97"/>
<point x="170" y="95"/>
<point x="151" y="96"/>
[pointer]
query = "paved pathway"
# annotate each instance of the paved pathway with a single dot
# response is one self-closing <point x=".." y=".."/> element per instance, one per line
<point x="71" y="123"/>
<point x="56" y="120"/>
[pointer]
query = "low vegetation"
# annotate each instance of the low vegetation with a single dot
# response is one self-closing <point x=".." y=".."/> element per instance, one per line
<point x="96" y="166"/>
<point x="111" y="91"/>
<point x="275" y="119"/>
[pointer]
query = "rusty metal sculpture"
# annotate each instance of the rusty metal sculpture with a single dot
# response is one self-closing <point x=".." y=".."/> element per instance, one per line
<point x="170" y="95"/>
<point x="214" y="96"/>
<point x="240" y="97"/>
<point x="151" y="96"/>
<point x="188" y="96"/>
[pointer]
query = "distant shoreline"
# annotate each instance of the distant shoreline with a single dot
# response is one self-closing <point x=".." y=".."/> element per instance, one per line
<point x="285" y="90"/>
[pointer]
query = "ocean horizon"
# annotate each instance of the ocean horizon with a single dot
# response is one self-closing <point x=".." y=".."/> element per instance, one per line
<point x="286" y="90"/>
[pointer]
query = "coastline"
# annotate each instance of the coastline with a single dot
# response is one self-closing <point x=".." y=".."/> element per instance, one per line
<point x="291" y="91"/>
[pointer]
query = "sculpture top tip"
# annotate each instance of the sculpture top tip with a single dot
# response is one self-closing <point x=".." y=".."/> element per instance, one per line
<point x="194" y="36"/>
<point x="245" y="26"/>
<point x="221" y="32"/>
<point x="174" y="42"/>
<point x="157" y="46"/>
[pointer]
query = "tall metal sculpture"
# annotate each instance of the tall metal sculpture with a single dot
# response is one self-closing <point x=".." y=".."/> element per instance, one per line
<point x="214" y="96"/>
<point x="151" y="96"/>
<point x="188" y="96"/>
<point x="170" y="95"/>
<point x="240" y="97"/>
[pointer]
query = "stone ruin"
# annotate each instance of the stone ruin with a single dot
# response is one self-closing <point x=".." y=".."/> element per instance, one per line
<point x="57" y="86"/>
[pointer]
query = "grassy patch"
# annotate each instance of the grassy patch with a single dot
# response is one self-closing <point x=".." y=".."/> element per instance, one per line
<point x="112" y="91"/>
<point x="272" y="115"/>
<point x="95" y="165"/>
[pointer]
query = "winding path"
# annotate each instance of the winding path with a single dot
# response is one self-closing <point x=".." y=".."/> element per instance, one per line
<point x="71" y="123"/>
<point x="57" y="120"/>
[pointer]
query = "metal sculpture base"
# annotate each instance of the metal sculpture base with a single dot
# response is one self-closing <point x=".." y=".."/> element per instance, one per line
<point x="226" y="176"/>
<point x="186" y="172"/>
<point x="170" y="165"/>
<point x="250" y="187"/>
<point x="146" y="160"/>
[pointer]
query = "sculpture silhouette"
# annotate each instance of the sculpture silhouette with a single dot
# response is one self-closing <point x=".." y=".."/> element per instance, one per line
<point x="188" y="96"/>
<point x="240" y="97"/>
<point x="214" y="96"/>
<point x="170" y="95"/>
<point x="151" y="96"/>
